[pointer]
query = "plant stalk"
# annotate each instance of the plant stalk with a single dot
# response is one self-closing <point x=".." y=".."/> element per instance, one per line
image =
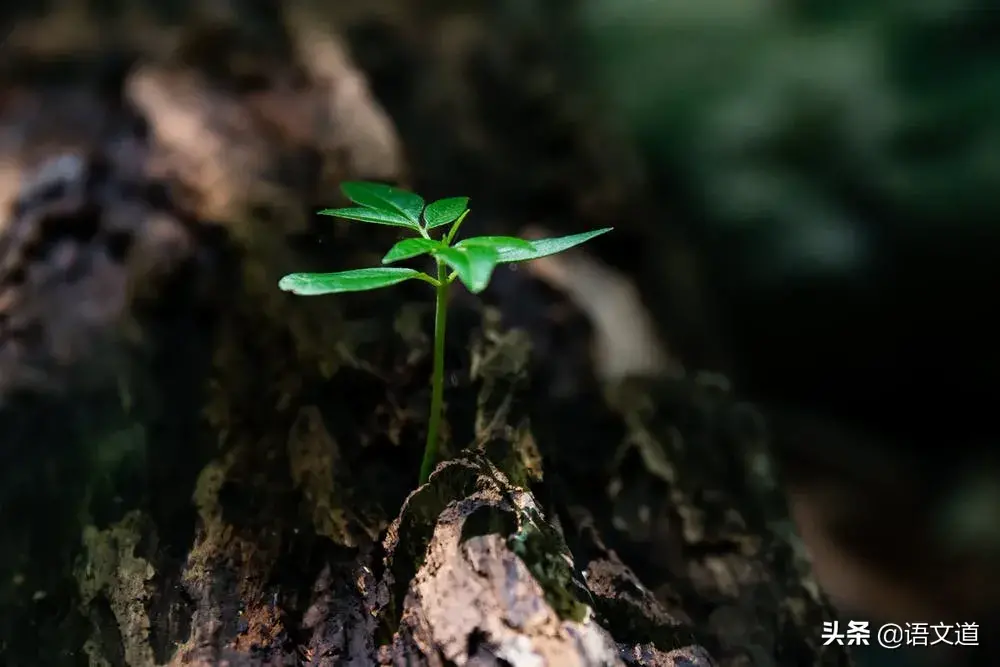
<point x="437" y="376"/>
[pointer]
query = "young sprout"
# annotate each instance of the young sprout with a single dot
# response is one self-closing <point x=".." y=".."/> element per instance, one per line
<point x="471" y="260"/>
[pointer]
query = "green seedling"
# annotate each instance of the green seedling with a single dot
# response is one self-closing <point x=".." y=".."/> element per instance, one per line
<point x="471" y="260"/>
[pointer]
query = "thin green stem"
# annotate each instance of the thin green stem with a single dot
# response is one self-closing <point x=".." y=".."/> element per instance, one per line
<point x="437" y="376"/>
<point x="427" y="279"/>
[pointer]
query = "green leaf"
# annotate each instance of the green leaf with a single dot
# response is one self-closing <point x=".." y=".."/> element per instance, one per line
<point x="498" y="243"/>
<point x="473" y="264"/>
<point x="359" y="280"/>
<point x="546" y="247"/>
<point x="386" y="199"/>
<point x="444" y="211"/>
<point x="408" y="248"/>
<point x="370" y="215"/>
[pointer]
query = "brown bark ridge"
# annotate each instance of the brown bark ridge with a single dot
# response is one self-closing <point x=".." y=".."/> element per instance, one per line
<point x="201" y="470"/>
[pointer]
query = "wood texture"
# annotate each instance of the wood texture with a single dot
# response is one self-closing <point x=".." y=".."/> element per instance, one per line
<point x="201" y="470"/>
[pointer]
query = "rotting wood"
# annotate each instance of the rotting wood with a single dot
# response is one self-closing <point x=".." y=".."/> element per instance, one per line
<point x="230" y="487"/>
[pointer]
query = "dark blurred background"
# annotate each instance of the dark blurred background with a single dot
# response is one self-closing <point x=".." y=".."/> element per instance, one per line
<point x="834" y="164"/>
<point x="837" y="163"/>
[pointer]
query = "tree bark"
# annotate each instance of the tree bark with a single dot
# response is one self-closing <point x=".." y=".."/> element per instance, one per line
<point x="202" y="470"/>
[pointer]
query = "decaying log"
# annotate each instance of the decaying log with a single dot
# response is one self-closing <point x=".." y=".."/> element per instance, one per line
<point x="201" y="470"/>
